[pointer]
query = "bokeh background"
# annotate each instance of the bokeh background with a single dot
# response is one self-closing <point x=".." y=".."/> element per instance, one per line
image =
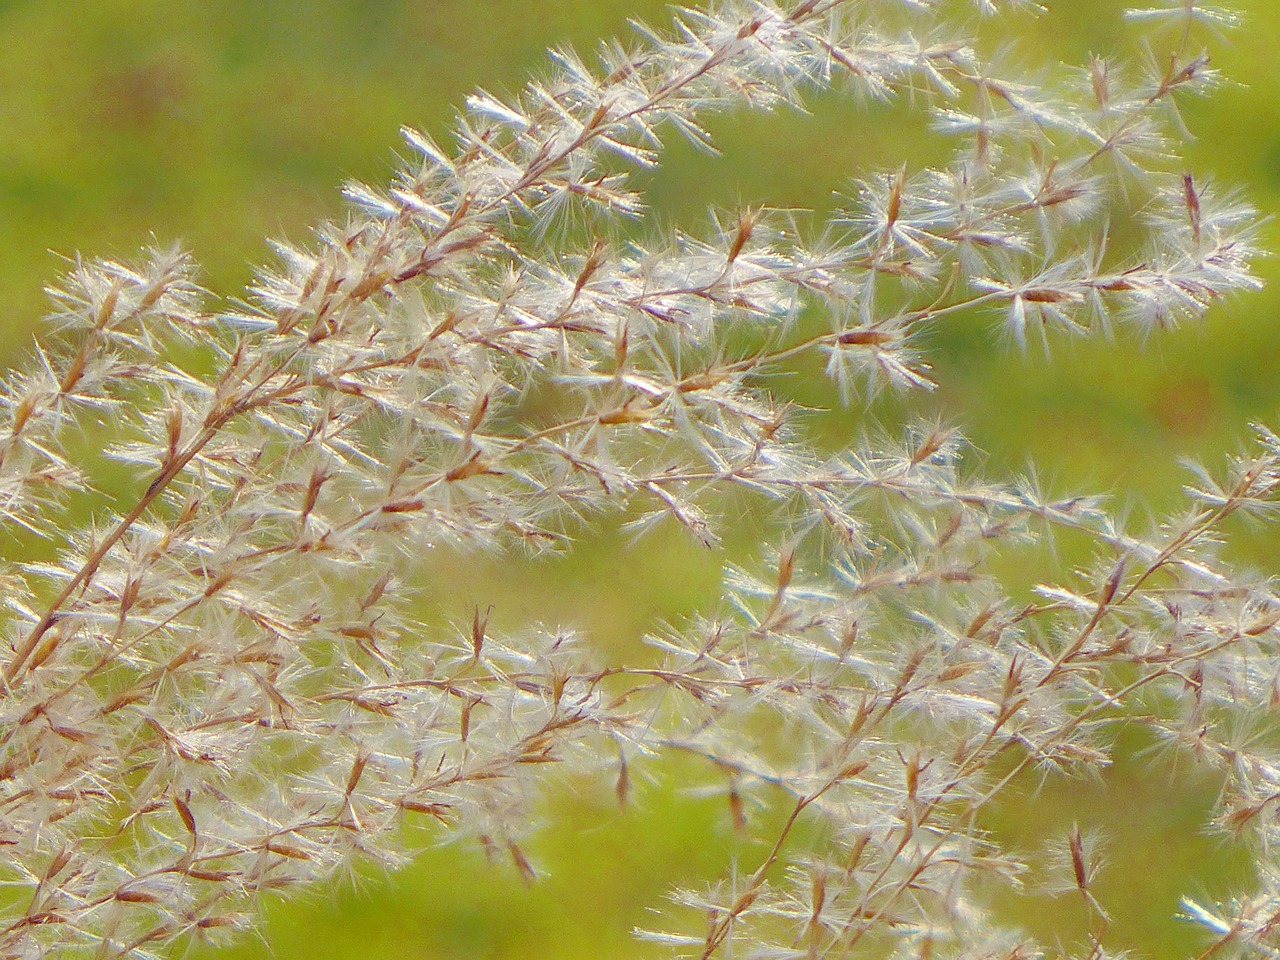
<point x="222" y="122"/>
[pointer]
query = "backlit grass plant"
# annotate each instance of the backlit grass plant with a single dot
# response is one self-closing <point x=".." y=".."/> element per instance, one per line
<point x="214" y="686"/>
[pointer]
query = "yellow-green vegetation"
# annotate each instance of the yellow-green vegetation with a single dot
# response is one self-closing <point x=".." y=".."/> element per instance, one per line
<point x="222" y="122"/>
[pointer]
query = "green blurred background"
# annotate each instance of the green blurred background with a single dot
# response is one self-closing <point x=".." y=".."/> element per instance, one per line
<point x="221" y="122"/>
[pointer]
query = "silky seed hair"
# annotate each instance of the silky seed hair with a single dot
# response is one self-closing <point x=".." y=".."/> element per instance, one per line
<point x="217" y="683"/>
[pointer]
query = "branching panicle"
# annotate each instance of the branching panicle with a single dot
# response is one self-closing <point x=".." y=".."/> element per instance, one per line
<point x="218" y="687"/>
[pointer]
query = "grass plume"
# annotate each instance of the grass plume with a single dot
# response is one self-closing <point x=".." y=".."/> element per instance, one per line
<point x="215" y="688"/>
